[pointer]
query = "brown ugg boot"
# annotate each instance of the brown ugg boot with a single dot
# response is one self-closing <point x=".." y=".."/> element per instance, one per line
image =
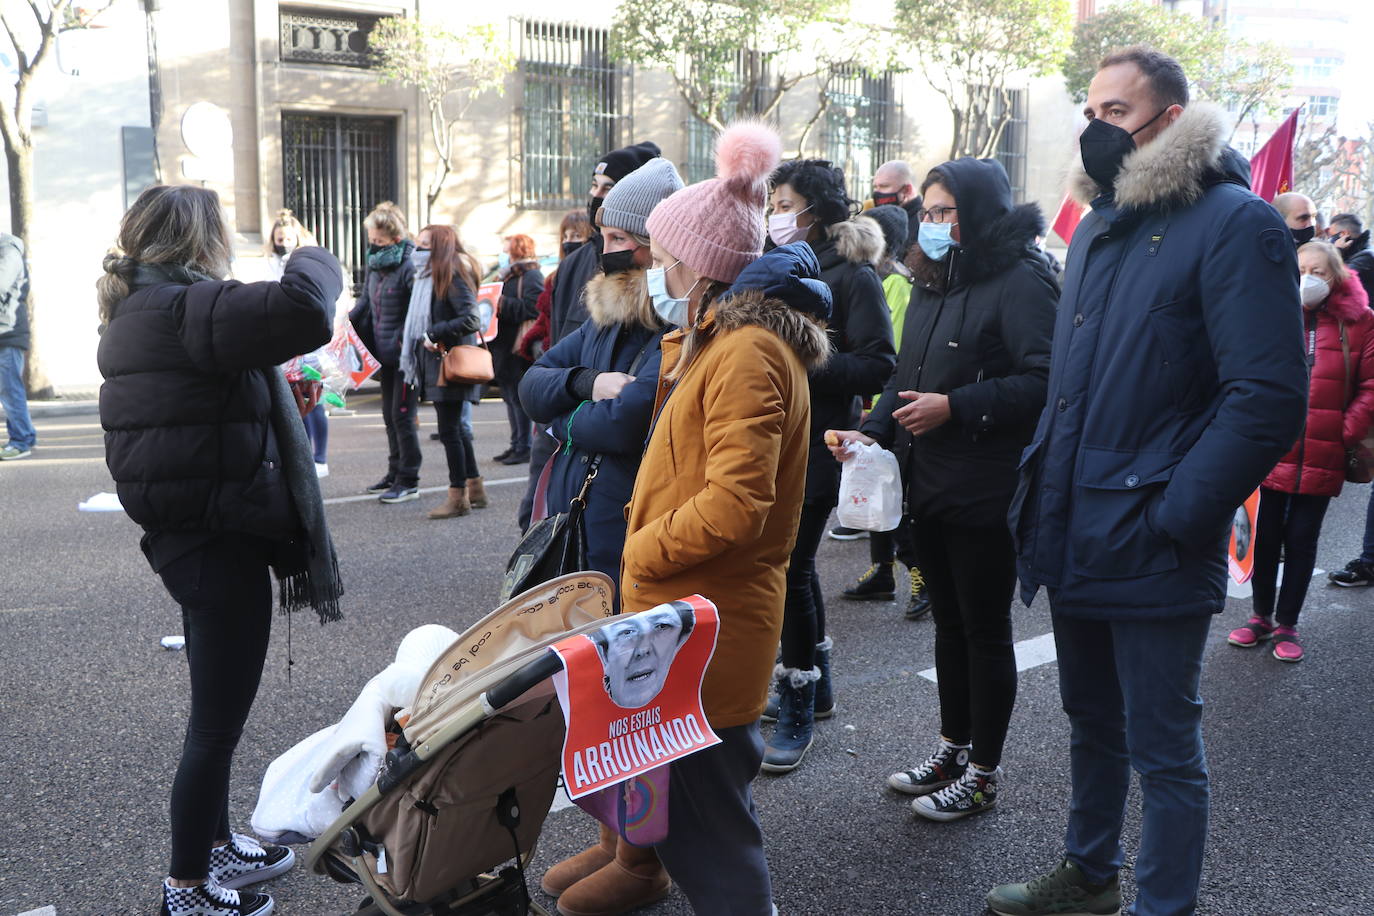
<point x="477" y="493"/>
<point x="572" y="870"/>
<point x="634" y="878"/>
<point x="457" y="504"/>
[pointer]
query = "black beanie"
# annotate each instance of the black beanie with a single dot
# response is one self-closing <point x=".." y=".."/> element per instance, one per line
<point x="893" y="221"/>
<point x="616" y="164"/>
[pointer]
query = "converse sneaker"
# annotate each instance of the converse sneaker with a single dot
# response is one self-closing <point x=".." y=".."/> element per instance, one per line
<point x="940" y="769"/>
<point x="399" y="493"/>
<point x="1256" y="630"/>
<point x="209" y="899"/>
<point x="1356" y="573"/>
<point x="1066" y="891"/>
<point x="975" y="792"/>
<point x="244" y="861"/>
<point x="1286" y="645"/>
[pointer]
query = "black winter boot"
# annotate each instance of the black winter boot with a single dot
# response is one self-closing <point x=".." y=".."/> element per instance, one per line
<point x="796" y="722"/>
<point x="877" y="584"/>
<point x="919" y="605"/>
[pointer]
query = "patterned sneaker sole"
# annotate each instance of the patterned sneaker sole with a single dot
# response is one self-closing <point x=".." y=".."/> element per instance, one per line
<point x="896" y="782"/>
<point x="934" y="814"/>
<point x="266" y="873"/>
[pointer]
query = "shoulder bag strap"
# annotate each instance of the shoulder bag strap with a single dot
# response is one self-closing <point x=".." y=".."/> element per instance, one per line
<point x="1345" y="355"/>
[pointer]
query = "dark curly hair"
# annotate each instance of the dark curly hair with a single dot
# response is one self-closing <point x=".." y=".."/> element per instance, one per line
<point x="821" y="184"/>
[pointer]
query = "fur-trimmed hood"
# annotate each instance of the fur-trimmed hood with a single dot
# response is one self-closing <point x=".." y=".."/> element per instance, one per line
<point x="1348" y="302"/>
<point x="1174" y="170"/>
<point x="621" y="299"/>
<point x="806" y="338"/>
<point x="858" y="241"/>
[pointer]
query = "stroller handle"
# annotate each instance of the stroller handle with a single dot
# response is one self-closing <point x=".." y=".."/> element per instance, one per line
<point x="521" y="680"/>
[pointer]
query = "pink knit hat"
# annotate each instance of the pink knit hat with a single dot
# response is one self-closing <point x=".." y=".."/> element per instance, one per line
<point x="716" y="226"/>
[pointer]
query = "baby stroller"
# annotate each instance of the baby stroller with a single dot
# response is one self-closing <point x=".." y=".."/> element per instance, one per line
<point x="473" y="774"/>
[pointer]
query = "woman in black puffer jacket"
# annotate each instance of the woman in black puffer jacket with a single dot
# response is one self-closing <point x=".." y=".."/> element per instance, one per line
<point x="379" y="317"/>
<point x="209" y="456"/>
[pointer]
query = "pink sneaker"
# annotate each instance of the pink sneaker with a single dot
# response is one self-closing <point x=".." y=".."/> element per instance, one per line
<point x="1256" y="630"/>
<point x="1286" y="645"/>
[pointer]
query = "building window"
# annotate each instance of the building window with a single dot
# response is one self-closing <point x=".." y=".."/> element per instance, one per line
<point x="1318" y="70"/>
<point x="572" y="111"/>
<point x="336" y="37"/>
<point x="701" y="137"/>
<point x="1322" y="106"/>
<point x="1011" y="147"/>
<point x="863" y="126"/>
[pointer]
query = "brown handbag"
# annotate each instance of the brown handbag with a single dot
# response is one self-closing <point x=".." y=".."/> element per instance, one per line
<point x="467" y="364"/>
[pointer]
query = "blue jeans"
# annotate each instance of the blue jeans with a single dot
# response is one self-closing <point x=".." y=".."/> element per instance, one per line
<point x="1131" y="691"/>
<point x="15" y="399"/>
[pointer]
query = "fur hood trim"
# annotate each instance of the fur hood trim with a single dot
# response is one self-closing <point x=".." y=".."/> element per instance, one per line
<point x="1348" y="302"/>
<point x="806" y="337"/>
<point x="859" y="241"/>
<point x="1171" y="171"/>
<point x="620" y="299"/>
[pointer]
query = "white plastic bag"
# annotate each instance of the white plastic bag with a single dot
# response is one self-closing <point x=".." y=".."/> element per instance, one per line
<point x="870" y="489"/>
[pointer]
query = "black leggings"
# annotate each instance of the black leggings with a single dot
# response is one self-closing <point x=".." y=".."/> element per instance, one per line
<point x="399" y="403"/>
<point x="971" y="573"/>
<point x="803" y="616"/>
<point x="462" y="461"/>
<point x="1289" y="523"/>
<point x="225" y="592"/>
<point x="884" y="546"/>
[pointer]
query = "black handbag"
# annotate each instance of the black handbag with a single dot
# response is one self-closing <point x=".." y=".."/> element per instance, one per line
<point x="554" y="546"/>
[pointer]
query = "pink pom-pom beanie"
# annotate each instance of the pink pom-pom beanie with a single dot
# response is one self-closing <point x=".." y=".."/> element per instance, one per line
<point x="716" y="226"/>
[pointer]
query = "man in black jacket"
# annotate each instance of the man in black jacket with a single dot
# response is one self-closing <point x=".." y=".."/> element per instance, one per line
<point x="1351" y="239"/>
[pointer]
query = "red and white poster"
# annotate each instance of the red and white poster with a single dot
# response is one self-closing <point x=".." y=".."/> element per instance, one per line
<point x="631" y="694"/>
<point x="488" y="307"/>
<point x="1240" y="554"/>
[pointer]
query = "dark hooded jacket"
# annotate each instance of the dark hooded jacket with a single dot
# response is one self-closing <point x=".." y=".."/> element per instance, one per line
<point x="1360" y="259"/>
<point x="982" y="337"/>
<point x="556" y="392"/>
<point x="568" y="309"/>
<point x="860" y="330"/>
<point x="1178" y="380"/>
<point x="379" y="315"/>
<point x="186" y="404"/>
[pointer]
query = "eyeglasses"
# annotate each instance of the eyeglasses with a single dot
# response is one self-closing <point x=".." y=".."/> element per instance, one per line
<point x="934" y="214"/>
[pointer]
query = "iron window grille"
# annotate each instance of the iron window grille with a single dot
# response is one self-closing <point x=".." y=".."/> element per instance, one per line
<point x="1013" y="144"/>
<point x="574" y="108"/>
<point x="335" y="37"/>
<point x="335" y="170"/>
<point x="863" y="126"/>
<point x="701" y="137"/>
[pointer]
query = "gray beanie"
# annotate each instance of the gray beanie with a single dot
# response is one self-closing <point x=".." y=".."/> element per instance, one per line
<point x="634" y="197"/>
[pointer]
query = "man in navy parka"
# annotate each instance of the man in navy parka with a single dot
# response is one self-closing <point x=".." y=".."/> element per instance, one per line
<point x="1178" y="379"/>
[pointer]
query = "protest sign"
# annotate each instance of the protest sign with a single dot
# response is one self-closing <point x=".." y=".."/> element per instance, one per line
<point x="1240" y="554"/>
<point x="631" y="694"/>
<point x="489" y="307"/>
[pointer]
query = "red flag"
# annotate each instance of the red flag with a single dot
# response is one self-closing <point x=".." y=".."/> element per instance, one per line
<point x="1066" y="221"/>
<point x="1271" y="171"/>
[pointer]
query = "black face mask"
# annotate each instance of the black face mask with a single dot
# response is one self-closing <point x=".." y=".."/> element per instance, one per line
<point x="1303" y="236"/>
<point x="570" y="247"/>
<point x="880" y="200"/>
<point x="1103" y="147"/>
<point x="593" y="204"/>
<point x="614" y="262"/>
<point x="282" y="250"/>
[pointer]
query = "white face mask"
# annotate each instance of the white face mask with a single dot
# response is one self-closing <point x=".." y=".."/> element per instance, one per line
<point x="1314" y="290"/>
<point x="672" y="310"/>
<point x="783" y="228"/>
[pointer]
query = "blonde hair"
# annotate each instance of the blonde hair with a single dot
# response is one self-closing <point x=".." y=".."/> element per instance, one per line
<point x="697" y="337"/>
<point x="389" y="218"/>
<point x="287" y="220"/>
<point x="175" y="225"/>
<point x="1335" y="264"/>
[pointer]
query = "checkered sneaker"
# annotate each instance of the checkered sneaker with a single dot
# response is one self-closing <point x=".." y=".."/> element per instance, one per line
<point x="244" y="861"/>
<point x="209" y="899"/>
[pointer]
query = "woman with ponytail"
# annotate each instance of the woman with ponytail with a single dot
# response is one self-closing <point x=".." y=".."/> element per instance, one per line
<point x="716" y="503"/>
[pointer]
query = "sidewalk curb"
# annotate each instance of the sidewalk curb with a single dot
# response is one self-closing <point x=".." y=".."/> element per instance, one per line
<point x="45" y="409"/>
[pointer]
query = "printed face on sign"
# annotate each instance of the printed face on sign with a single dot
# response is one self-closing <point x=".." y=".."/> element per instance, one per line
<point x="637" y="652"/>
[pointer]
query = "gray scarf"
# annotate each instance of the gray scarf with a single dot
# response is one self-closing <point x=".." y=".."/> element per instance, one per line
<point x="317" y="584"/>
<point x="417" y="319"/>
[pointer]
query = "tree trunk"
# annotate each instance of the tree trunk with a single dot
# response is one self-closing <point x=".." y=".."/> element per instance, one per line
<point x="19" y="161"/>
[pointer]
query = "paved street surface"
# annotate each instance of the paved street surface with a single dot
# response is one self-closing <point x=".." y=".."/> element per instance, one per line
<point x="93" y="711"/>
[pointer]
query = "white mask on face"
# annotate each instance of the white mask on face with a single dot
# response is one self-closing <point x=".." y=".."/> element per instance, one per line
<point x="783" y="228"/>
<point x="672" y="310"/>
<point x="1314" y="290"/>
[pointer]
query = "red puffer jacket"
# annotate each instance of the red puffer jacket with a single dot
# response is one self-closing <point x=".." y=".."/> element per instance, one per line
<point x="1316" y="464"/>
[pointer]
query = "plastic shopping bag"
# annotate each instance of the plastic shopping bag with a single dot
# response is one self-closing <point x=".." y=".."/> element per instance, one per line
<point x="870" y="489"/>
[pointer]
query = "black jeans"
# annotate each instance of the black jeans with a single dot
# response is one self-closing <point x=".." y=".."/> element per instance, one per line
<point x="399" y="403"/>
<point x="885" y="546"/>
<point x="803" y="616"/>
<point x="971" y="573"/>
<point x="462" y="462"/>
<point x="225" y="592"/>
<point x="519" y="420"/>
<point x="1289" y="523"/>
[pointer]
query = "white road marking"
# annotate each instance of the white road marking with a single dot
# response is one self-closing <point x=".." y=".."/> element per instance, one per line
<point x="41" y="911"/>
<point x="363" y="497"/>
<point x="1030" y="653"/>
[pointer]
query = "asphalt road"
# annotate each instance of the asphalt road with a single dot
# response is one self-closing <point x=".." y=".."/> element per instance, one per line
<point x="93" y="713"/>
